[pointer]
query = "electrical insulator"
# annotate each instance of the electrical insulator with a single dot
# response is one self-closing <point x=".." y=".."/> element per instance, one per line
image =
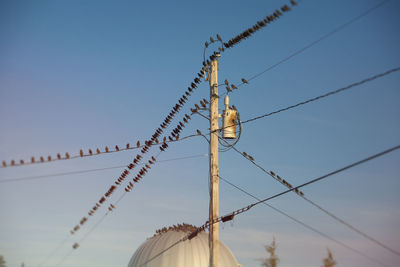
<point x="229" y="121"/>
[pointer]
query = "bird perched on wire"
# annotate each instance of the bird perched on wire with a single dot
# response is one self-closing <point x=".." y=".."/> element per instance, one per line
<point x="228" y="89"/>
<point x="244" y="80"/>
<point x="226" y="82"/>
<point x="219" y="38"/>
<point x="211" y="40"/>
<point x="233" y="86"/>
<point x="206" y="44"/>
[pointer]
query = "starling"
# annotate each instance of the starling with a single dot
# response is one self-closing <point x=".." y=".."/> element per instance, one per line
<point x="226" y="82"/>
<point x="90" y="152"/>
<point x="106" y="149"/>
<point x="251" y="158"/>
<point x="233" y="86"/>
<point x="244" y="81"/>
<point x="127" y="146"/>
<point x="49" y="158"/>
<point x="58" y="156"/>
<point x="98" y="151"/>
<point x="228" y="89"/>
<point x="219" y="38"/>
<point x="293" y="2"/>
<point x="42" y="159"/>
<point x="198" y="132"/>
<point x="245" y="154"/>
<point x="211" y="40"/>
<point x="206" y="44"/>
<point x="81" y="153"/>
<point x="138" y="144"/>
<point x="67" y="155"/>
<point x="32" y="160"/>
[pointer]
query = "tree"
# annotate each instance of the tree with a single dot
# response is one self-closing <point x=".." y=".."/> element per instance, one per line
<point x="329" y="261"/>
<point x="2" y="261"/>
<point x="273" y="259"/>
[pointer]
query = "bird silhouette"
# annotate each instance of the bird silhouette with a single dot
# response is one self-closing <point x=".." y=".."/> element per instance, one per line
<point x="244" y="80"/>
<point x="233" y="86"/>
<point x="211" y="40"/>
<point x="198" y="132"/>
<point x="219" y="38"/>
<point x="206" y="44"/>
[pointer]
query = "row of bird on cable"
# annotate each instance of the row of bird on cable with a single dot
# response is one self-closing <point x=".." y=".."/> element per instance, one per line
<point x="182" y="100"/>
<point x="33" y="160"/>
<point x="274" y="175"/>
<point x="153" y="141"/>
<point x="247" y="33"/>
<point x="179" y="227"/>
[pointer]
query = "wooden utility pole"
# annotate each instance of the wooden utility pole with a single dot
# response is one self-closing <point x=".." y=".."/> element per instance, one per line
<point x="214" y="169"/>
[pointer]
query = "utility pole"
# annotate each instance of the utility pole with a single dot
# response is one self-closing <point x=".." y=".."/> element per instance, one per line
<point x="213" y="238"/>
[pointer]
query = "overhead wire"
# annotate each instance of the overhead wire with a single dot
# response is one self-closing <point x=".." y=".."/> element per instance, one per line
<point x="87" y="170"/>
<point x="313" y="203"/>
<point x="323" y="37"/>
<point x="67" y="155"/>
<point x="231" y="215"/>
<point x="313" y="229"/>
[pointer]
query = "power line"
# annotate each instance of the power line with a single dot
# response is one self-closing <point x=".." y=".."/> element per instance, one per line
<point x="90" y="152"/>
<point x="231" y="215"/>
<point x="107" y="150"/>
<point x="301" y="194"/>
<point x="300" y="222"/>
<point x="337" y="29"/>
<point x="197" y="80"/>
<point x="88" y="170"/>
<point x="330" y="93"/>
<point x="369" y="79"/>
<point x="323" y="37"/>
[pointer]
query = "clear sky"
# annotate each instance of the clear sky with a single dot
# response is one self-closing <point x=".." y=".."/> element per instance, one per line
<point x="86" y="74"/>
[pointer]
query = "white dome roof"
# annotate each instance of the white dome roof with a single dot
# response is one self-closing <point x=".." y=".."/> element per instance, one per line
<point x="190" y="253"/>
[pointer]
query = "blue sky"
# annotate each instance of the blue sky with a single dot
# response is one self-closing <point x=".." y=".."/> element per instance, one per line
<point x="86" y="74"/>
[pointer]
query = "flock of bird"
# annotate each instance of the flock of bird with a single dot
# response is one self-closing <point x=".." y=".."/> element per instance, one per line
<point x="177" y="228"/>
<point x="272" y="174"/>
<point x="158" y="133"/>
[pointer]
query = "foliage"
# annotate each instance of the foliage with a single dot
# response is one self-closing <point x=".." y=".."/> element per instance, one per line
<point x="2" y="261"/>
<point x="272" y="260"/>
<point x="329" y="261"/>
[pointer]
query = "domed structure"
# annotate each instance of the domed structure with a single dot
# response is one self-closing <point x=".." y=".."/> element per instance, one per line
<point x="189" y="253"/>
